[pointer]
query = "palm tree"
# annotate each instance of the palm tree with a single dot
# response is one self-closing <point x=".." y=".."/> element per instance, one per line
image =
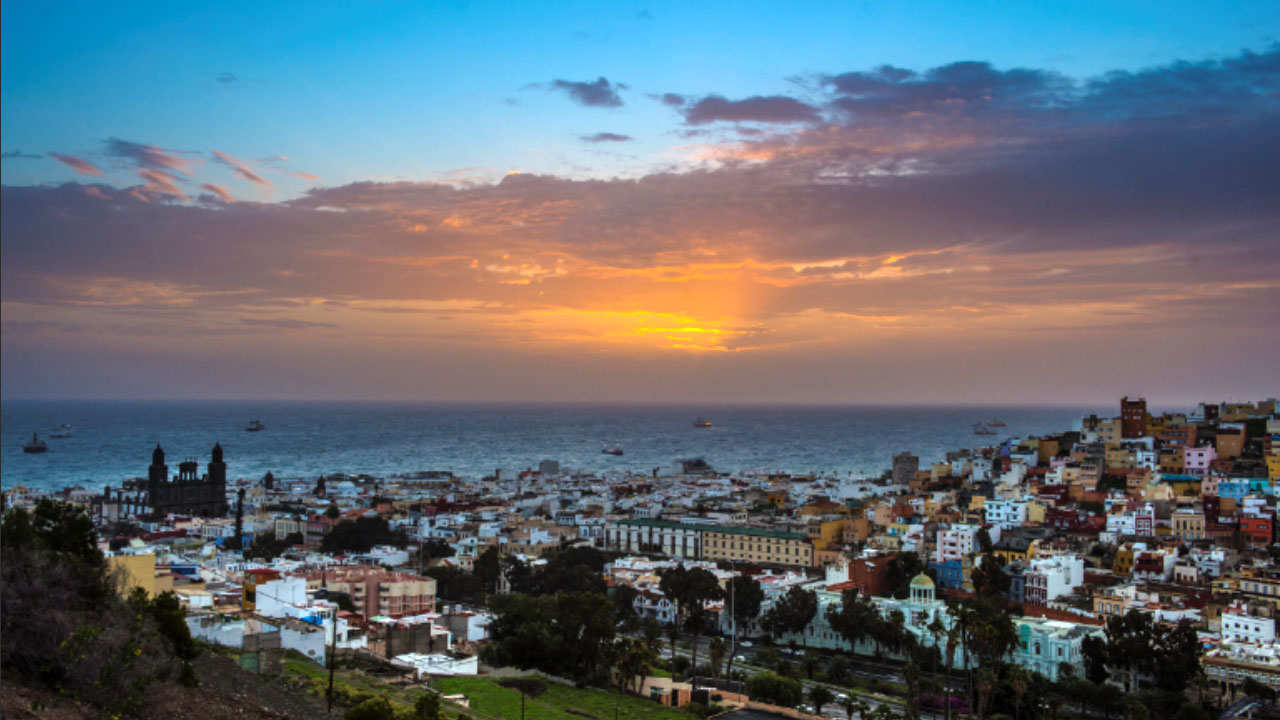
<point x="673" y="634"/>
<point x="716" y="649"/>
<point x="1019" y="681"/>
<point x="986" y="683"/>
<point x="953" y="638"/>
<point x="911" y="673"/>
<point x="819" y="695"/>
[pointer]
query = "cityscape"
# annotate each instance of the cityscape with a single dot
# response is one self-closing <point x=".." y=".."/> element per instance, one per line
<point x="749" y="361"/>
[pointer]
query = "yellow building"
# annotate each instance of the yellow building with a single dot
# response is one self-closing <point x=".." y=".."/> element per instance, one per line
<point x="825" y="534"/>
<point x="1124" y="559"/>
<point x="756" y="545"/>
<point x="1109" y="431"/>
<point x="138" y="571"/>
<point x="1273" y="467"/>
<point x="1188" y="525"/>
<point x="286" y="526"/>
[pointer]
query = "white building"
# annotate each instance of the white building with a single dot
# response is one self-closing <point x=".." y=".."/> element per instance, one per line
<point x="957" y="541"/>
<point x="1005" y="514"/>
<point x="1239" y="626"/>
<point x="1047" y="579"/>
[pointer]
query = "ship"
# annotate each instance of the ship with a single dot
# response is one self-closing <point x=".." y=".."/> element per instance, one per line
<point x="996" y="423"/>
<point x="615" y="450"/>
<point x="34" y="445"/>
<point x="980" y="429"/>
<point x="256" y="426"/>
<point x="702" y="423"/>
<point x="60" y="433"/>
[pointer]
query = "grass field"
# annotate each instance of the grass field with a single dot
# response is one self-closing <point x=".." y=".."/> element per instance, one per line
<point x="490" y="699"/>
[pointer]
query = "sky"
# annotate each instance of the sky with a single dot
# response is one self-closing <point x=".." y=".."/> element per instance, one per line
<point x="854" y="202"/>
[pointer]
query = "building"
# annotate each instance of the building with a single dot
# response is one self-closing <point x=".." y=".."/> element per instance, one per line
<point x="378" y="592"/>
<point x="1241" y="626"/>
<point x="682" y="540"/>
<point x="1043" y="645"/>
<point x="1133" y="418"/>
<point x="905" y="466"/>
<point x="188" y="494"/>
<point x="956" y="542"/>
<point x="756" y="545"/>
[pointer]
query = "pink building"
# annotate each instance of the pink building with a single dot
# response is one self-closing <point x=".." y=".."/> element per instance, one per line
<point x="1196" y="460"/>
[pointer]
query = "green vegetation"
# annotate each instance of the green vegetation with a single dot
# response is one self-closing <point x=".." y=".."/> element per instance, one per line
<point x="64" y="623"/>
<point x="490" y="699"/>
<point x="360" y="535"/>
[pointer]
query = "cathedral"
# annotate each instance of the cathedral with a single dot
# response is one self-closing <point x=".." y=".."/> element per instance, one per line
<point x="188" y="493"/>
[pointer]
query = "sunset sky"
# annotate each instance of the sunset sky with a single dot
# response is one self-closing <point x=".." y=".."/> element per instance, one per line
<point x="709" y="202"/>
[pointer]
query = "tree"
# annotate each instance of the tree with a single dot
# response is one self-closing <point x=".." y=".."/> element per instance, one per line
<point x="716" y="649"/>
<point x="838" y="670"/>
<point x="810" y="664"/>
<point x="902" y="569"/>
<point x="793" y="612"/>
<point x="986" y="684"/>
<point x="375" y="708"/>
<point x="488" y="568"/>
<point x="745" y="598"/>
<point x="1019" y="682"/>
<point x="990" y="581"/>
<point x="854" y="617"/>
<point x="819" y="695"/>
<point x="236" y="541"/>
<point x="775" y="689"/>
<point x="427" y="707"/>
<point x="623" y="599"/>
<point x="360" y="535"/>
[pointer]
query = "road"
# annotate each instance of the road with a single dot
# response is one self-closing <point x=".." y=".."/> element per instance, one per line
<point x="748" y="661"/>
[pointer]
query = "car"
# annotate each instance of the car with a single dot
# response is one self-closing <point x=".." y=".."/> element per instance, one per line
<point x="739" y="658"/>
<point x="745" y="643"/>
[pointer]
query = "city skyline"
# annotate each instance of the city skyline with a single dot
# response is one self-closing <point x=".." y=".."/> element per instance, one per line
<point x="810" y="205"/>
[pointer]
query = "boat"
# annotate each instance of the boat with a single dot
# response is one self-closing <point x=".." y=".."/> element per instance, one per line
<point x="997" y="423"/>
<point x="34" y="445"/>
<point x="615" y="450"/>
<point x="702" y="423"/>
<point x="980" y="429"/>
<point x="256" y="426"/>
<point x="60" y="433"/>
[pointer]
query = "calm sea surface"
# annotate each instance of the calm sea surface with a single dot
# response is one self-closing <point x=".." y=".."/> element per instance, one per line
<point x="112" y="441"/>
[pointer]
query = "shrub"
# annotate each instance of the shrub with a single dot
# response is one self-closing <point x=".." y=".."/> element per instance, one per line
<point x="531" y="686"/>
<point x="372" y="709"/>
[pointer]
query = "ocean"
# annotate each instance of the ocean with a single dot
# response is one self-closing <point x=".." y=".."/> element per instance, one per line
<point x="112" y="441"/>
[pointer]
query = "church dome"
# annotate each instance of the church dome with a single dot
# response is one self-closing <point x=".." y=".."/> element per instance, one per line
<point x="922" y="581"/>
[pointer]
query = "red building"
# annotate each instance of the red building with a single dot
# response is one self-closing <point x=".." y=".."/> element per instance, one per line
<point x="1259" y="529"/>
<point x="1133" y="418"/>
<point x="870" y="575"/>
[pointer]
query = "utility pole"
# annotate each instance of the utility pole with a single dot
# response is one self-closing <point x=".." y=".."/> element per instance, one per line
<point x="333" y="660"/>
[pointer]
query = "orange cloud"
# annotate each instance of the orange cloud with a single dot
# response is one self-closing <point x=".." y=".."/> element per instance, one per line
<point x="80" y="165"/>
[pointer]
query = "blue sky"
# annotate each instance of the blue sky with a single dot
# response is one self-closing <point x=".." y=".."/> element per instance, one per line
<point x="777" y="202"/>
<point x="406" y="91"/>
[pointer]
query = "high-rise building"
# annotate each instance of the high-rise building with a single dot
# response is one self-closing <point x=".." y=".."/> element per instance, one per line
<point x="905" y="466"/>
<point x="1133" y="418"/>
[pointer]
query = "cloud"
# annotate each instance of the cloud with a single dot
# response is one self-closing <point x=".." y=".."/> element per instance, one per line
<point x="226" y="78"/>
<point x="965" y="205"/>
<point x="279" y="163"/>
<point x="774" y="109"/>
<point x="600" y="93"/>
<point x="606" y="137"/>
<point x="80" y="165"/>
<point x="219" y="191"/>
<point x="148" y="156"/>
<point x="161" y="183"/>
<point x="19" y="155"/>
<point x="241" y="168"/>
<point x="286" y="323"/>
<point x="671" y="99"/>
